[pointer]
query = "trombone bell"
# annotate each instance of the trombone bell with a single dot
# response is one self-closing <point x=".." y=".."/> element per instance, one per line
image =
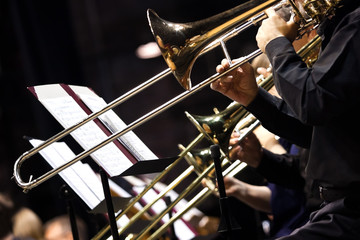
<point x="182" y="43"/>
<point x="218" y="127"/>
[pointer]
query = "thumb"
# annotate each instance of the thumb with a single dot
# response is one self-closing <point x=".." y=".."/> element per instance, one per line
<point x="293" y="27"/>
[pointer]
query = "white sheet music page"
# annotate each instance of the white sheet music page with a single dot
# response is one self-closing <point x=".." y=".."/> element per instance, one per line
<point x="79" y="176"/>
<point x="68" y="112"/>
<point x="110" y="119"/>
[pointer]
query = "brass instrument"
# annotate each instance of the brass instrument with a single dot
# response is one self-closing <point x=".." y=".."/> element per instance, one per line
<point x="320" y="9"/>
<point x="196" y="38"/>
<point x="216" y="127"/>
<point x="232" y="117"/>
<point x="180" y="55"/>
<point x="177" y="40"/>
<point x="182" y="43"/>
<point x="137" y="198"/>
<point x="246" y="14"/>
<point x="200" y="157"/>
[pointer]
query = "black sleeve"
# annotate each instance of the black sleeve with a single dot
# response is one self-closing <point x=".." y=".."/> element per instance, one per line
<point x="282" y="169"/>
<point x="276" y="117"/>
<point x="323" y="92"/>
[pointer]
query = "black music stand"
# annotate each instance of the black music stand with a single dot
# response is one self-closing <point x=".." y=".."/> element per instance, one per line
<point x="227" y="225"/>
<point x="67" y="194"/>
<point x="109" y="205"/>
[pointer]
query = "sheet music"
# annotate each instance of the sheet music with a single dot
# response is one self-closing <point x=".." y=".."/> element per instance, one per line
<point x="67" y="112"/>
<point x="130" y="140"/>
<point x="79" y="176"/>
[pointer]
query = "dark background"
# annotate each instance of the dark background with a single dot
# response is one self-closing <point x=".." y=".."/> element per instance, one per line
<point x="93" y="43"/>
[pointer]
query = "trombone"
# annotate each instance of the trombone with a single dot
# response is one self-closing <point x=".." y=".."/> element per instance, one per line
<point x="248" y="123"/>
<point x="180" y="61"/>
<point x="192" y="46"/>
<point x="233" y="117"/>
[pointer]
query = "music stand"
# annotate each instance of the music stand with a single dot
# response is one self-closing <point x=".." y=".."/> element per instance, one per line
<point x="227" y="224"/>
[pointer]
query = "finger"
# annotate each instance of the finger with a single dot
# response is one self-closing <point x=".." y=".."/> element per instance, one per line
<point x="225" y="63"/>
<point x="235" y="133"/>
<point x="228" y="181"/>
<point x="233" y="141"/>
<point x="262" y="71"/>
<point x="226" y="79"/>
<point x="292" y="24"/>
<point x="234" y="152"/>
<point x="246" y="67"/>
<point x="270" y="12"/>
<point x="220" y="84"/>
<point x="295" y="19"/>
<point x="215" y="85"/>
<point x="219" y="69"/>
<point x="203" y="182"/>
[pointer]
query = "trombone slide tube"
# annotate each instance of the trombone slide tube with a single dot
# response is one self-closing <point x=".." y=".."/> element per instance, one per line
<point x="202" y="195"/>
<point x="190" y="188"/>
<point x="33" y="183"/>
<point x="232" y="170"/>
<point x="152" y="183"/>
<point x="237" y="166"/>
<point x="176" y="182"/>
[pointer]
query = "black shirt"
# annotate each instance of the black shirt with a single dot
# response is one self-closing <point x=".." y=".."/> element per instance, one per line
<point x="319" y="106"/>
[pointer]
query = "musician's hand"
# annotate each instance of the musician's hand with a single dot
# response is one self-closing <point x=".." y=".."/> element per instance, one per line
<point x="274" y="26"/>
<point x="265" y="72"/>
<point x="248" y="150"/>
<point x="239" y="85"/>
<point x="234" y="187"/>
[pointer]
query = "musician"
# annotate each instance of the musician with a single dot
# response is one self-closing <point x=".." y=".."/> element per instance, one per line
<point x="290" y="202"/>
<point x="314" y="112"/>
